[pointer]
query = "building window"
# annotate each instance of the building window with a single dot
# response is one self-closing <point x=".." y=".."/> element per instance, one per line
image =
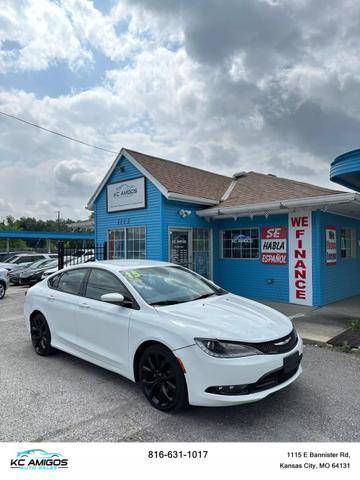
<point x="347" y="243"/>
<point x="127" y="243"/>
<point x="242" y="243"/>
<point x="201" y="251"/>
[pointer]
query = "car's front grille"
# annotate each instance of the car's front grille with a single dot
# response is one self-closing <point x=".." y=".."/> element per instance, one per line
<point x="269" y="380"/>
<point x="281" y="345"/>
<point x="274" y="378"/>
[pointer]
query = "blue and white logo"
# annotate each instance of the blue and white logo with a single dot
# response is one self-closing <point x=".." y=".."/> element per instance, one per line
<point x="242" y="239"/>
<point x="125" y="190"/>
<point x="38" y="459"/>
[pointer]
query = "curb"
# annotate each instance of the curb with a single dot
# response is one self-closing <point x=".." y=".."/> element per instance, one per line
<point x="316" y="343"/>
<point x="310" y="341"/>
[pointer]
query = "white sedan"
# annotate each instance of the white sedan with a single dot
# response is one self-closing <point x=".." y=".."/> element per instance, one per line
<point x="4" y="282"/>
<point x="181" y="337"/>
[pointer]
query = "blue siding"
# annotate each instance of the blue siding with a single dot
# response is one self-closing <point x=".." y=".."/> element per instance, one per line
<point x="249" y="277"/>
<point x="343" y="279"/>
<point x="316" y="257"/>
<point x="148" y="217"/>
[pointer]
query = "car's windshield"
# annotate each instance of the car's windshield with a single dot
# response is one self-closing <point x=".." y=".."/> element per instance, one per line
<point x="170" y="285"/>
<point x="50" y="263"/>
<point x="18" y="260"/>
<point x="9" y="259"/>
<point x="5" y="257"/>
<point x="40" y="263"/>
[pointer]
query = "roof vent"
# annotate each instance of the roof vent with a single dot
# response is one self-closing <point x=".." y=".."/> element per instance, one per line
<point x="238" y="175"/>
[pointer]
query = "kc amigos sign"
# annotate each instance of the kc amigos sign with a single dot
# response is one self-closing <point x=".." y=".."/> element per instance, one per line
<point x="300" y="258"/>
<point x="126" y="195"/>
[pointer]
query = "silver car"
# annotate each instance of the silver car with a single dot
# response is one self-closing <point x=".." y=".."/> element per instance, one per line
<point x="22" y="258"/>
<point x="4" y="282"/>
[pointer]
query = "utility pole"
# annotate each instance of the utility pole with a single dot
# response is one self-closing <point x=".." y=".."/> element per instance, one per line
<point x="58" y="219"/>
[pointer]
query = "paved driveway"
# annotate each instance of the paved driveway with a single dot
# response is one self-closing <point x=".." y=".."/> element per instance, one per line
<point x="62" y="398"/>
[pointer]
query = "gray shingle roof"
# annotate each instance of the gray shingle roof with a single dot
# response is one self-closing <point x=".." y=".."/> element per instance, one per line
<point x="183" y="179"/>
<point x="261" y="188"/>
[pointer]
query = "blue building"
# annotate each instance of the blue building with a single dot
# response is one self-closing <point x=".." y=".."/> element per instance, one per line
<point x="256" y="235"/>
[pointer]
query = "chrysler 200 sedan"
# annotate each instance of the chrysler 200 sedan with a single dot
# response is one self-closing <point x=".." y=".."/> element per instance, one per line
<point x="181" y="337"/>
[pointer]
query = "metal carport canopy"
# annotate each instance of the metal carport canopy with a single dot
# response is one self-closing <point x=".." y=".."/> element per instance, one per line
<point x="50" y="235"/>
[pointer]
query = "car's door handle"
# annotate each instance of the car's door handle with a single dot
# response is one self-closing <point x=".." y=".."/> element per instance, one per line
<point x="51" y="297"/>
<point x="84" y="305"/>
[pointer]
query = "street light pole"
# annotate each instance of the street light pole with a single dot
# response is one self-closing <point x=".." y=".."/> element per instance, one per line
<point x="58" y="219"/>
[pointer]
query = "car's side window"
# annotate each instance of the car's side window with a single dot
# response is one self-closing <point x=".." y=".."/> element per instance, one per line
<point x="29" y="259"/>
<point x="54" y="281"/>
<point x="101" y="282"/>
<point x="36" y="258"/>
<point x="71" y="281"/>
<point x="20" y="260"/>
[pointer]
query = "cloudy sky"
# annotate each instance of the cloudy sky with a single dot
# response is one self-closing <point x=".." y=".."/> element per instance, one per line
<point x="231" y="85"/>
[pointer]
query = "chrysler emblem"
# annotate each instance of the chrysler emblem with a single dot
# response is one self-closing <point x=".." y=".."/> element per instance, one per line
<point x="283" y="342"/>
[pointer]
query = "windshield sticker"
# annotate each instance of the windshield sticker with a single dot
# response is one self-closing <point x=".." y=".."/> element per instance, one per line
<point x="133" y="274"/>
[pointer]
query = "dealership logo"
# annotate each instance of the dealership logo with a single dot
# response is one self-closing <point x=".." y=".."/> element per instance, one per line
<point x="125" y="190"/>
<point x="284" y="342"/>
<point x="38" y="459"/>
<point x="242" y="239"/>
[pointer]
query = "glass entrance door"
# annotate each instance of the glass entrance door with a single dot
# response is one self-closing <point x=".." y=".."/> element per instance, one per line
<point x="191" y="248"/>
<point x="180" y="247"/>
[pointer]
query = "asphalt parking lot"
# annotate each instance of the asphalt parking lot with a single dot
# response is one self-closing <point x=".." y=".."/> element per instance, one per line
<point x="62" y="398"/>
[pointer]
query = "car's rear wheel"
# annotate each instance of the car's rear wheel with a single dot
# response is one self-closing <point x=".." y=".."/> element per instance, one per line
<point x="162" y="379"/>
<point x="2" y="290"/>
<point x="40" y="335"/>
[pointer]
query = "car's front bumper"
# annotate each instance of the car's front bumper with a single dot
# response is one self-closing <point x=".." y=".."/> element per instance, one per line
<point x="203" y="371"/>
<point x="14" y="279"/>
<point x="29" y="280"/>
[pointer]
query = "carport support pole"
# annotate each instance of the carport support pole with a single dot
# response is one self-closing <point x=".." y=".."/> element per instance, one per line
<point x="8" y="244"/>
<point x="48" y="245"/>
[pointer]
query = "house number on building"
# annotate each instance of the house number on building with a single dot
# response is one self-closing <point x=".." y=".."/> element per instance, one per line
<point x="123" y="221"/>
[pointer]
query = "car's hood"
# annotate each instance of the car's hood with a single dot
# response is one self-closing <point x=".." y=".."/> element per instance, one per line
<point x="49" y="271"/>
<point x="228" y="317"/>
<point x="8" y="266"/>
<point x="35" y="271"/>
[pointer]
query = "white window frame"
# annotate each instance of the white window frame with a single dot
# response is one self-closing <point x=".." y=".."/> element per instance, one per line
<point x="191" y="231"/>
<point x="232" y="229"/>
<point x="125" y="239"/>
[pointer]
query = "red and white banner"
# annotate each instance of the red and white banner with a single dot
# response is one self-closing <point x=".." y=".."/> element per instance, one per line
<point x="300" y="258"/>
<point x="330" y="235"/>
<point x="274" y="245"/>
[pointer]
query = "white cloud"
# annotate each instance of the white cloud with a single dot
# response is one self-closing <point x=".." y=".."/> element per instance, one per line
<point x="44" y="34"/>
<point x="74" y="176"/>
<point x="6" y="208"/>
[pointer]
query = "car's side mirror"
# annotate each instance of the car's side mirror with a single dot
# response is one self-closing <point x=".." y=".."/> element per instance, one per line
<point x="113" y="298"/>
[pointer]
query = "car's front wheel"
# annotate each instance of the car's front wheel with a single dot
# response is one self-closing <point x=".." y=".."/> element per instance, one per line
<point x="162" y="379"/>
<point x="40" y="335"/>
<point x="2" y="290"/>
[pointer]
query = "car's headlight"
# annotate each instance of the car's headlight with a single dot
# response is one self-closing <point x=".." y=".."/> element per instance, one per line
<point x="225" y="349"/>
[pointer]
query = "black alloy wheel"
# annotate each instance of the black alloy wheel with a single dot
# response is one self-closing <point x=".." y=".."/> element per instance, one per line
<point x="162" y="379"/>
<point x="40" y="335"/>
<point x="2" y="290"/>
